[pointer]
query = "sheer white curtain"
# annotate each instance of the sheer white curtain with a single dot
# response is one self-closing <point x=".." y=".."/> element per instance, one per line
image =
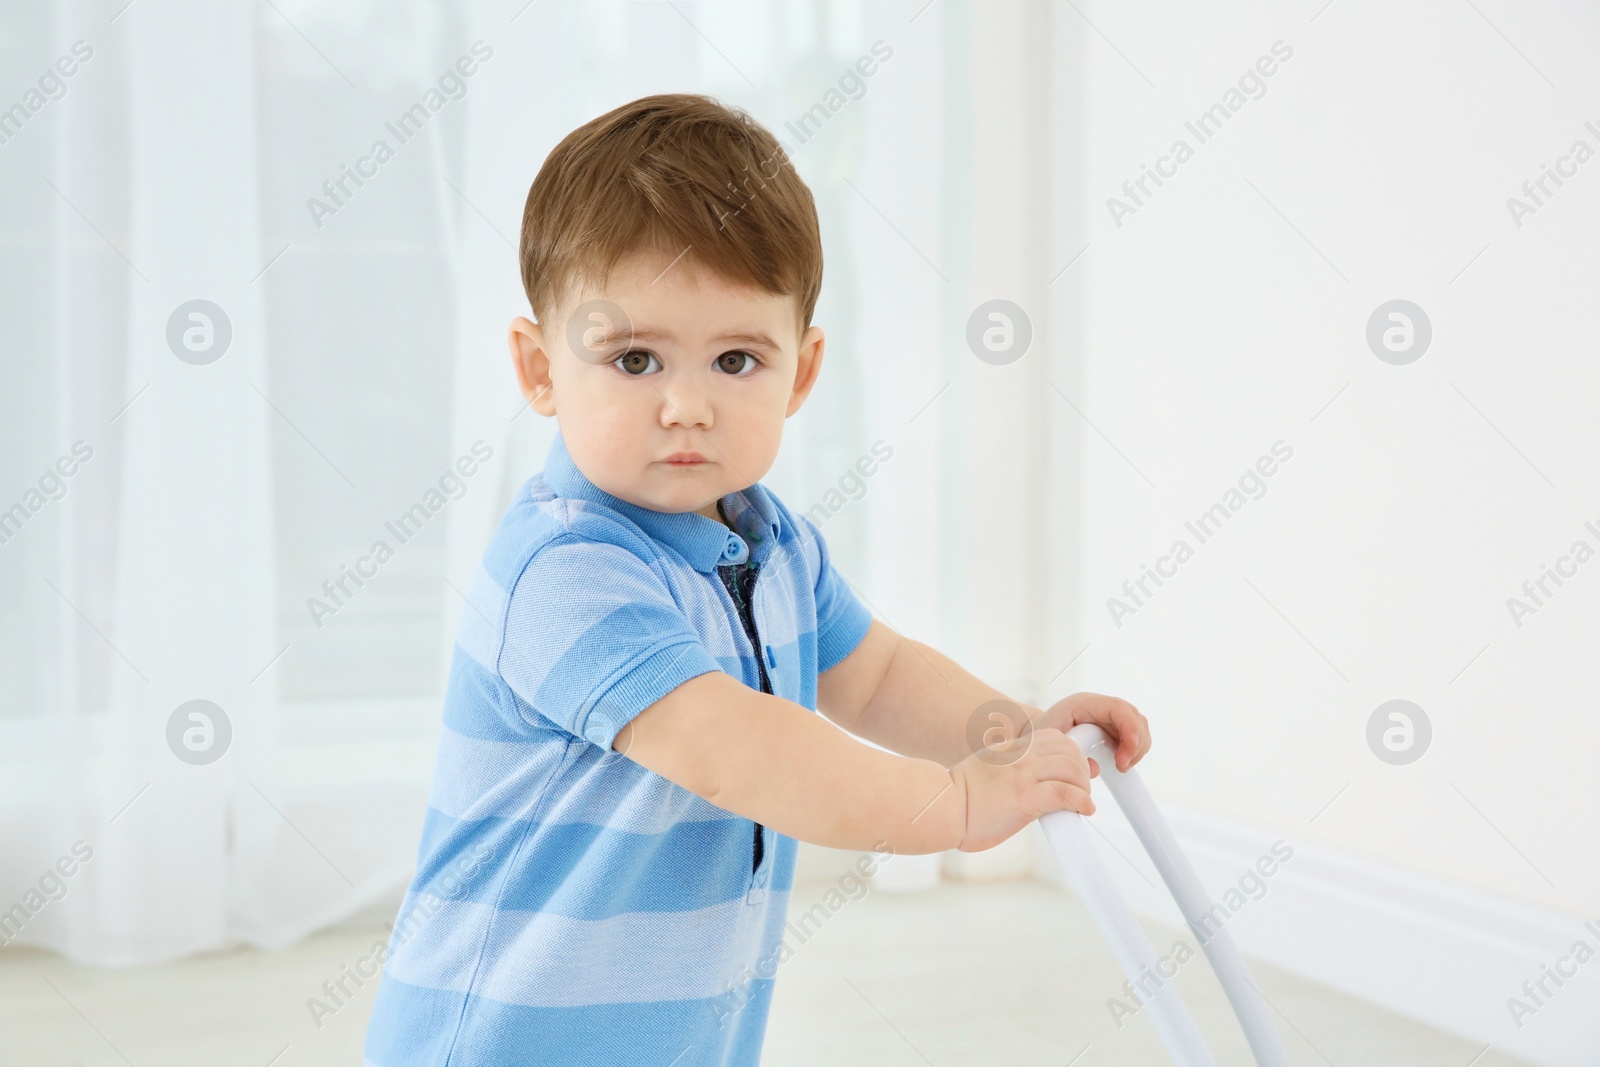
<point x="222" y="541"/>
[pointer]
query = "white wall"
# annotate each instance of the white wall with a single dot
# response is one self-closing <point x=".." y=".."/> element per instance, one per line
<point x="1379" y="562"/>
<point x="1228" y="313"/>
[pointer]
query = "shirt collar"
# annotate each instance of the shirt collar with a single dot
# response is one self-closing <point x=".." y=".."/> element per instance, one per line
<point x="704" y="543"/>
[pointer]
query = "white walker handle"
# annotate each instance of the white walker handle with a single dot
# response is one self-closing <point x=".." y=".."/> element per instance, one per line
<point x="1068" y="833"/>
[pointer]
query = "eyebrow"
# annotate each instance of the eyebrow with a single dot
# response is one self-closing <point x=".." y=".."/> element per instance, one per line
<point x="758" y="340"/>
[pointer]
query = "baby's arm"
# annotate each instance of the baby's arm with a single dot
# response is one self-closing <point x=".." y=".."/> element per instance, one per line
<point x="771" y="760"/>
<point x="911" y="698"/>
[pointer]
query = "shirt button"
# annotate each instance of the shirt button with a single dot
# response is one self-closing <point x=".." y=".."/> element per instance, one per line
<point x="597" y="731"/>
<point x="735" y="550"/>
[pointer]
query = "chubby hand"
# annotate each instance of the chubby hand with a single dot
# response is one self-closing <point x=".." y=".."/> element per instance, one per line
<point x="1129" y="731"/>
<point x="1009" y="784"/>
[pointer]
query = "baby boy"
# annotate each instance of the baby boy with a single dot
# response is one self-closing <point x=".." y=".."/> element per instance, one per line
<point x="630" y="748"/>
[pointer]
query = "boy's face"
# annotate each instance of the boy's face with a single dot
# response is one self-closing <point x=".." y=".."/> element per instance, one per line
<point x="687" y="408"/>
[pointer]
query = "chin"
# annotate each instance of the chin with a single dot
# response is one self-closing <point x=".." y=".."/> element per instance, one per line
<point x="674" y="500"/>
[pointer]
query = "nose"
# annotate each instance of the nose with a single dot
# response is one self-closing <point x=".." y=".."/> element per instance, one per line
<point x="684" y="404"/>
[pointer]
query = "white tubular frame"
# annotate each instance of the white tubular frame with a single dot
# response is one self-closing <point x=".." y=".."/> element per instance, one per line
<point x="1069" y="835"/>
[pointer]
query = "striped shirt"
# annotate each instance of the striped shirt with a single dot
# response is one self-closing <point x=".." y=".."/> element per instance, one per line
<point x="569" y="906"/>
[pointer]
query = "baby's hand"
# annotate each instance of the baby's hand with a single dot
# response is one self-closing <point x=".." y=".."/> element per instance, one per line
<point x="1128" y="729"/>
<point x="1007" y="787"/>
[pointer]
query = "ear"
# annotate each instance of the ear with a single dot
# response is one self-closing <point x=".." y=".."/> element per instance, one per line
<point x="807" y="367"/>
<point x="531" y="359"/>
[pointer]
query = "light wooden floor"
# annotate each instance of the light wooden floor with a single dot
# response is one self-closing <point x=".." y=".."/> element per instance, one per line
<point x="961" y="974"/>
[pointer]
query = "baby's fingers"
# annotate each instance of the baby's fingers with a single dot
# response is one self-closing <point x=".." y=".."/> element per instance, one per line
<point x="1052" y="795"/>
<point x="1127" y="749"/>
<point x="1132" y="734"/>
<point x="1069" y="767"/>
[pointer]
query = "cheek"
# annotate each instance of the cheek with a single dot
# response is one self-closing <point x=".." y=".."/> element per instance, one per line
<point x="595" y="395"/>
<point x="774" y="390"/>
<point x="754" y="396"/>
<point x="615" y="427"/>
<point x="599" y="420"/>
<point x="757" y="418"/>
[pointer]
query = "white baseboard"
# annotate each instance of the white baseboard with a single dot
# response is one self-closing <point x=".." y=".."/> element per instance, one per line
<point x="1418" y="946"/>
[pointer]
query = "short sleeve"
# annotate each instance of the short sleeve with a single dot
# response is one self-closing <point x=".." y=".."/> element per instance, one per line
<point x="842" y="620"/>
<point x="593" y="636"/>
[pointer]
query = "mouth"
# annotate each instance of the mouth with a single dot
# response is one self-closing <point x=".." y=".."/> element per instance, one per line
<point x="685" y="459"/>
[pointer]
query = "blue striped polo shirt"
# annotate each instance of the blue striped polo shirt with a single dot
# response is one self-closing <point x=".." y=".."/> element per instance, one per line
<point x="569" y="906"/>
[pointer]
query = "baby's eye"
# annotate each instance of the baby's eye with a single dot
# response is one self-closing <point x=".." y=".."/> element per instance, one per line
<point x="637" y="361"/>
<point x="737" y="363"/>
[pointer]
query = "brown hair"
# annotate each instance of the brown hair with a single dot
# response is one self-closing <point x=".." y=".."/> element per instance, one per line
<point x="668" y="173"/>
